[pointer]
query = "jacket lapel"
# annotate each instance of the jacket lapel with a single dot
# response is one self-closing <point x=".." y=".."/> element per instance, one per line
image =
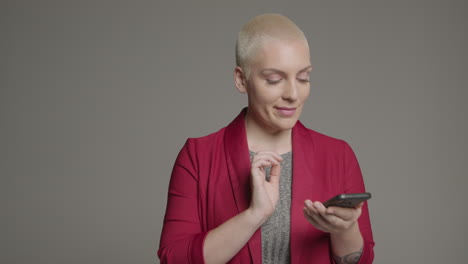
<point x="304" y="186"/>
<point x="238" y="162"/>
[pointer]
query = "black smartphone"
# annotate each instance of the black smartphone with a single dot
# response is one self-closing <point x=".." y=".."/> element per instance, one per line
<point x="348" y="200"/>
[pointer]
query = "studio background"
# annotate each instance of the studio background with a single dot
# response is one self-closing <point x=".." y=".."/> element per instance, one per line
<point x="98" y="97"/>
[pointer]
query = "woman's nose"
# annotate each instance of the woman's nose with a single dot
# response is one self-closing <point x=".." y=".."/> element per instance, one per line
<point x="290" y="92"/>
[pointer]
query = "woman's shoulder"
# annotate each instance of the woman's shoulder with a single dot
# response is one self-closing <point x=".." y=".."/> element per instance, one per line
<point x="326" y="145"/>
<point x="212" y="139"/>
<point x="316" y="137"/>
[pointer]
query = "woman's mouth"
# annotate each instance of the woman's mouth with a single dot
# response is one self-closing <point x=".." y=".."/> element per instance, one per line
<point x="286" y="111"/>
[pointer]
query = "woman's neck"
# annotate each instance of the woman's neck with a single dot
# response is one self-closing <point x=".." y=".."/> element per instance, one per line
<point x="261" y="139"/>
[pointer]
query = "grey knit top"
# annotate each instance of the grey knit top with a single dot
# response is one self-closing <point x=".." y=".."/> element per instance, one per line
<point x="275" y="231"/>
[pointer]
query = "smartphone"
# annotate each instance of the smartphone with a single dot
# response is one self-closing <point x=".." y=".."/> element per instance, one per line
<point x="348" y="200"/>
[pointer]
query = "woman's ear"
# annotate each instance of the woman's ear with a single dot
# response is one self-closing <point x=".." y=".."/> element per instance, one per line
<point x="239" y="80"/>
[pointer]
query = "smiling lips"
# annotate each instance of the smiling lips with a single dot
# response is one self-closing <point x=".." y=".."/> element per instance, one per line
<point x="286" y="111"/>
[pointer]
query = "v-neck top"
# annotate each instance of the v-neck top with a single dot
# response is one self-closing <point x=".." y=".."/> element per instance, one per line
<point x="276" y="230"/>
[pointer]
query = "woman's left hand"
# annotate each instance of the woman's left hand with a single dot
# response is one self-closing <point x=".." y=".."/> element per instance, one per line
<point x="333" y="219"/>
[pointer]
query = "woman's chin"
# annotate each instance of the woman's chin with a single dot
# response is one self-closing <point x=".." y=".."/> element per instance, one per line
<point x="286" y="124"/>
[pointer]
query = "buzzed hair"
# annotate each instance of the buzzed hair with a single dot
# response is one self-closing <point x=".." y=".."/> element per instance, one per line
<point x="261" y="30"/>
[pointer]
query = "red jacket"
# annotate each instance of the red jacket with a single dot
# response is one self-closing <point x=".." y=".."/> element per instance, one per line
<point x="210" y="184"/>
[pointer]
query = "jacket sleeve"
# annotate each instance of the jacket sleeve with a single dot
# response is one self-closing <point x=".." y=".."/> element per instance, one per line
<point x="182" y="237"/>
<point x="354" y="183"/>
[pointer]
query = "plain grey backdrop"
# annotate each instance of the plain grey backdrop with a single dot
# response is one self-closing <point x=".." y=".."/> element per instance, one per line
<point x="98" y="97"/>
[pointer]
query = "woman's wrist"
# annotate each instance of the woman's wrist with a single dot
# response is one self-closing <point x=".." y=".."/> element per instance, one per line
<point x="347" y="245"/>
<point x="353" y="233"/>
<point x="255" y="217"/>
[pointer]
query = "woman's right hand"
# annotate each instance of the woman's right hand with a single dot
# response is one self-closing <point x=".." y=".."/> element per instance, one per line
<point x="265" y="193"/>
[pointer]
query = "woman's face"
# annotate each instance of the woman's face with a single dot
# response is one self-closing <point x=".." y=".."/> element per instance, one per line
<point x="278" y="85"/>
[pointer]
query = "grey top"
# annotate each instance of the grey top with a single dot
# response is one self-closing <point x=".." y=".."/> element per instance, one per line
<point x="275" y="231"/>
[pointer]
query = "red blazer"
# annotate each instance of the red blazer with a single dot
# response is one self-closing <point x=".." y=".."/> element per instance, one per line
<point x="210" y="184"/>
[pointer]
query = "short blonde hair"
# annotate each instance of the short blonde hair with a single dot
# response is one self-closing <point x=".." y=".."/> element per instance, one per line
<point x="261" y="30"/>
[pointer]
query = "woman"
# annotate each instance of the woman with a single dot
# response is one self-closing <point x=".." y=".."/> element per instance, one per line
<point x="251" y="192"/>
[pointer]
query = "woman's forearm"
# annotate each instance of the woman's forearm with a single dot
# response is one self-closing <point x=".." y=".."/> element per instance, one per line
<point x="347" y="246"/>
<point x="223" y="242"/>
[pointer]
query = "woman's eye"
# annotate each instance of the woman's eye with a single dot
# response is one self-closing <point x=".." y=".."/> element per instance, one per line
<point x="304" y="80"/>
<point x="273" y="81"/>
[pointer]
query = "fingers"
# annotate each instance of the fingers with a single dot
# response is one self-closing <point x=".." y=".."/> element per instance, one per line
<point x="266" y="155"/>
<point x="315" y="218"/>
<point x="264" y="162"/>
<point x="264" y="159"/>
<point x="347" y="214"/>
<point x="333" y="219"/>
<point x="265" y="194"/>
<point x="275" y="173"/>
<point x="319" y="214"/>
